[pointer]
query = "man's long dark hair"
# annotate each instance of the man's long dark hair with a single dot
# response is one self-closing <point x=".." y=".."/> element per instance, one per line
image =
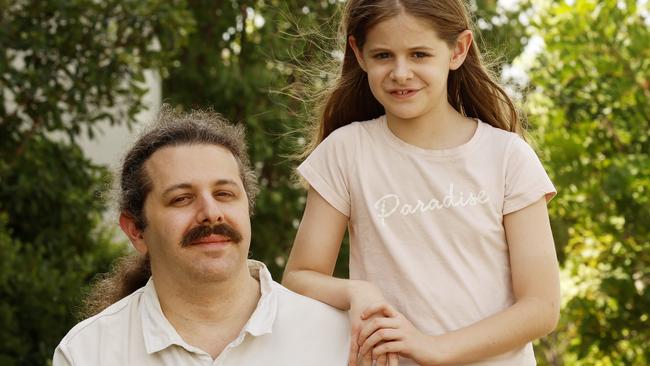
<point x="171" y="128"/>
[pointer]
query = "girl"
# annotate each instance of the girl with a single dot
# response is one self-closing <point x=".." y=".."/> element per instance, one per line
<point x="452" y="259"/>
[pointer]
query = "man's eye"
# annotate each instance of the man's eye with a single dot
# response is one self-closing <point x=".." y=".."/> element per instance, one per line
<point x="224" y="194"/>
<point x="180" y="199"/>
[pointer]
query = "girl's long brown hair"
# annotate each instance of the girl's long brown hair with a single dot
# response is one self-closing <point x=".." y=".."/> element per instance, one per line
<point x="471" y="89"/>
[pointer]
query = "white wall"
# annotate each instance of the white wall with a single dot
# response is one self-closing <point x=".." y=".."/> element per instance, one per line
<point x="110" y="142"/>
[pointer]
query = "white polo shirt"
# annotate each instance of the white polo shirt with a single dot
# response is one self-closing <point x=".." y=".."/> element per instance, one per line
<point x="285" y="329"/>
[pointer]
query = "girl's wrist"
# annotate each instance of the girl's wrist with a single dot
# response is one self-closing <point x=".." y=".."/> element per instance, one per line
<point x="352" y="287"/>
<point x="355" y="288"/>
<point x="436" y="352"/>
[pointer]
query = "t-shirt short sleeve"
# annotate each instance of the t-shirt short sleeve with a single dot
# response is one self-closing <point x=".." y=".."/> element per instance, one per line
<point x="326" y="168"/>
<point x="526" y="180"/>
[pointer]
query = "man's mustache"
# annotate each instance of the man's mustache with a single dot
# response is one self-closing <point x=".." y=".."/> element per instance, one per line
<point x="202" y="231"/>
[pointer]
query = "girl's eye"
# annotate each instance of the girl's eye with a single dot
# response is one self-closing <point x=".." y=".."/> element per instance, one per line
<point x="382" y="55"/>
<point x="420" y="54"/>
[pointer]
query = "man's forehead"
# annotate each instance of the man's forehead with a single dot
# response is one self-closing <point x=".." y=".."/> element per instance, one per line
<point x="203" y="163"/>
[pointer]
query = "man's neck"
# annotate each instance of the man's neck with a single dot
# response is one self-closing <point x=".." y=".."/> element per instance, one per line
<point x="209" y="315"/>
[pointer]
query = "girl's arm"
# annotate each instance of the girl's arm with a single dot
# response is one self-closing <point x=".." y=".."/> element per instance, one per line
<point x="535" y="313"/>
<point x="313" y="256"/>
<point x="312" y="260"/>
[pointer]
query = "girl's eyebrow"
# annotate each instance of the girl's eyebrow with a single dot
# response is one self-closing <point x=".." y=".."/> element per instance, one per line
<point x="413" y="48"/>
<point x="428" y="48"/>
<point x="378" y="48"/>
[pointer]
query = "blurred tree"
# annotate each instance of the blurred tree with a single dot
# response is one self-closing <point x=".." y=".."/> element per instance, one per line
<point x="590" y="105"/>
<point x="502" y="32"/>
<point x="52" y="243"/>
<point x="64" y="67"/>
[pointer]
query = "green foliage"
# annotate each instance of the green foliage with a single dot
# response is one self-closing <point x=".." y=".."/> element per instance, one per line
<point x="67" y="64"/>
<point x="593" y="116"/>
<point x="64" y="67"/>
<point x="51" y="244"/>
<point x="501" y="33"/>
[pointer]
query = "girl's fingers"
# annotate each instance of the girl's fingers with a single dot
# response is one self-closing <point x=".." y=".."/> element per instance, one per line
<point x="390" y="347"/>
<point x="354" y="346"/>
<point x="393" y="360"/>
<point x="366" y="360"/>
<point x="375" y="340"/>
<point x="383" y="308"/>
<point x="381" y="360"/>
<point x="373" y="325"/>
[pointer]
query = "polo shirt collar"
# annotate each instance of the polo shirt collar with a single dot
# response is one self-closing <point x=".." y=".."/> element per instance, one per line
<point x="262" y="319"/>
<point x="159" y="333"/>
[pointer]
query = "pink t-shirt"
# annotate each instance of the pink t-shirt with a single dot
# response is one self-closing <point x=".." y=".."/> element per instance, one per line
<point x="426" y="226"/>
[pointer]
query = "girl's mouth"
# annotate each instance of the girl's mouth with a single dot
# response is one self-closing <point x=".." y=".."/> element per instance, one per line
<point x="403" y="93"/>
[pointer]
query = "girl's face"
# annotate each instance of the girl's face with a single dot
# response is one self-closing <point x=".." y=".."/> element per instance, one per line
<point x="408" y="65"/>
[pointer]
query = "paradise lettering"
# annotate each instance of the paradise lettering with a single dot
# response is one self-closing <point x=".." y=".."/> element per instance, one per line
<point x="390" y="203"/>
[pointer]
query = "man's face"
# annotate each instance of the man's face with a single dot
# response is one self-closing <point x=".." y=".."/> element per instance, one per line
<point x="198" y="223"/>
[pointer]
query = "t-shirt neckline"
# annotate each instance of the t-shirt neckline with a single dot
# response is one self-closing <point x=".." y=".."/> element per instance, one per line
<point x="438" y="154"/>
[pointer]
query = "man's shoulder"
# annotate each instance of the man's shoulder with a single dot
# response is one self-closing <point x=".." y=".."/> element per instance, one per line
<point x="309" y="312"/>
<point x="311" y="332"/>
<point x="114" y="319"/>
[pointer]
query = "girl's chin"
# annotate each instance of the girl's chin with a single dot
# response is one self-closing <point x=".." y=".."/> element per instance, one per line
<point x="405" y="114"/>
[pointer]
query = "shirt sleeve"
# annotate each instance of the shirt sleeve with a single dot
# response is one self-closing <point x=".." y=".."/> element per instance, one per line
<point x="526" y="180"/>
<point x="61" y="357"/>
<point x="326" y="169"/>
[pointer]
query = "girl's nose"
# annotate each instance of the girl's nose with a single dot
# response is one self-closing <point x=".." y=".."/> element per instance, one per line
<point x="401" y="72"/>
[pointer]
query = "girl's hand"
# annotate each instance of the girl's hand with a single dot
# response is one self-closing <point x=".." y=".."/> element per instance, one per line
<point x="390" y="360"/>
<point x="392" y="333"/>
<point x="363" y="297"/>
<point x="366" y="359"/>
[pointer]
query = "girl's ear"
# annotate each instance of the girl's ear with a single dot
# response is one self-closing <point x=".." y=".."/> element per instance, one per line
<point x="461" y="48"/>
<point x="135" y="235"/>
<point x="357" y="52"/>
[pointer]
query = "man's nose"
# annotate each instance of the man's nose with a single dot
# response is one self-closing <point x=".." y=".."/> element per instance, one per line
<point x="401" y="71"/>
<point x="209" y="211"/>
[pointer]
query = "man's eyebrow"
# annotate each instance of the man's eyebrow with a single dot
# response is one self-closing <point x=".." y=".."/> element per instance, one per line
<point x="224" y="182"/>
<point x="177" y="186"/>
<point x="220" y="182"/>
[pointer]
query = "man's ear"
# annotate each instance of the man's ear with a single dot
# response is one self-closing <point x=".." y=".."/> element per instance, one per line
<point x="357" y="52"/>
<point x="461" y="48"/>
<point x="131" y="230"/>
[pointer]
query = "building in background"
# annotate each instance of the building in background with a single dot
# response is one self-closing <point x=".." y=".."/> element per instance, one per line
<point x="108" y="146"/>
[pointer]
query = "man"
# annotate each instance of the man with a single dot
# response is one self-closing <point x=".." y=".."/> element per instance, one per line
<point x="186" y="193"/>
